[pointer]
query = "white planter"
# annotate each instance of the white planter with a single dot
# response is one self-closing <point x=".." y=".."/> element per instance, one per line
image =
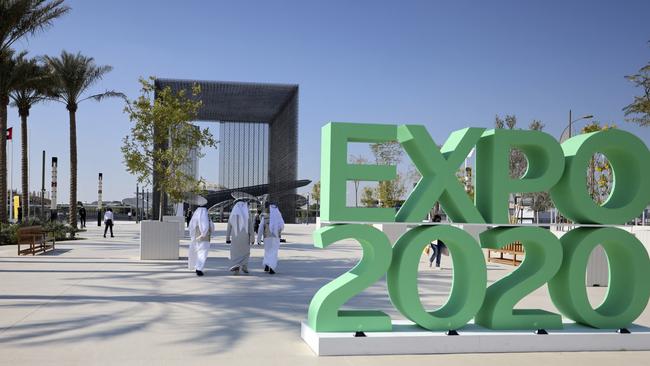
<point x="178" y="220"/>
<point x="320" y="224"/>
<point x="393" y="231"/>
<point x="159" y="240"/>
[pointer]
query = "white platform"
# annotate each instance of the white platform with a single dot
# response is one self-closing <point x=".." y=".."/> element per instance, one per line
<point x="409" y="339"/>
<point x="159" y="240"/>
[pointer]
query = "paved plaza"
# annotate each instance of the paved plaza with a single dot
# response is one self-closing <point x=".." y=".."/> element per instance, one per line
<point x="92" y="302"/>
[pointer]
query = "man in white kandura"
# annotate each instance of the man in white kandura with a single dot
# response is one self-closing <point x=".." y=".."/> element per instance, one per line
<point x="240" y="227"/>
<point x="201" y="228"/>
<point x="271" y="227"/>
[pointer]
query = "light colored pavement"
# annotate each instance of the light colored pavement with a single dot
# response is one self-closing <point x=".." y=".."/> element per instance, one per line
<point x="91" y="302"/>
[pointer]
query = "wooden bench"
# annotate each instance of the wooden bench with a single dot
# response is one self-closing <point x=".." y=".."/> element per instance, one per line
<point x="36" y="238"/>
<point x="514" y="249"/>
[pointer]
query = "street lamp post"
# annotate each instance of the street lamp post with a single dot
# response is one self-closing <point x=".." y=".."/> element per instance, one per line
<point x="43" y="189"/>
<point x="99" y="199"/>
<point x="569" y="129"/>
<point x="137" y="203"/>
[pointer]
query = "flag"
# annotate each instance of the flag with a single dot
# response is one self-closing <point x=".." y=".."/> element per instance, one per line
<point x="9" y="132"/>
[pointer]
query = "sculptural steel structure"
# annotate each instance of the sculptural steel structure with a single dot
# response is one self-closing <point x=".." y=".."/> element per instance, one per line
<point x="258" y="135"/>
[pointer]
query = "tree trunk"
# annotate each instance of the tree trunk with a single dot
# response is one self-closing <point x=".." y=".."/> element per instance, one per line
<point x="24" y="166"/>
<point x="73" y="166"/>
<point x="4" y="102"/>
<point x="160" y="208"/>
<point x="356" y="193"/>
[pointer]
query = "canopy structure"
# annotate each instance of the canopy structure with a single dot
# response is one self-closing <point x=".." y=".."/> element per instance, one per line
<point x="258" y="134"/>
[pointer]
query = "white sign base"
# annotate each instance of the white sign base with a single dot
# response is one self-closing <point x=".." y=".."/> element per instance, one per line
<point x="409" y="339"/>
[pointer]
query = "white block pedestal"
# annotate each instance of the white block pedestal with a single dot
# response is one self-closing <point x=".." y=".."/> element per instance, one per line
<point x="407" y="338"/>
<point x="180" y="222"/>
<point x="393" y="231"/>
<point x="159" y="240"/>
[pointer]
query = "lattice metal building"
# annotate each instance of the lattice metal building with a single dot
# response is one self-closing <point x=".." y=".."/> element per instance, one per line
<point x="258" y="135"/>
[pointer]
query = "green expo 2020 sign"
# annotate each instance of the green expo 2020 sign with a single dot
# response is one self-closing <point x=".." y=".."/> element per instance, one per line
<point x="559" y="169"/>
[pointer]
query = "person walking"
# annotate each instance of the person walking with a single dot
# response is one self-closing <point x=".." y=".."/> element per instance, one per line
<point x="240" y="228"/>
<point x="188" y="217"/>
<point x="437" y="248"/>
<point x="270" y="228"/>
<point x="108" y="221"/>
<point x="82" y="216"/>
<point x="201" y="229"/>
<point x="256" y="224"/>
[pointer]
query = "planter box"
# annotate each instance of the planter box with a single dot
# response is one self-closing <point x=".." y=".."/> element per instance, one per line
<point x="393" y="231"/>
<point x="159" y="240"/>
<point x="178" y="220"/>
<point x="319" y="224"/>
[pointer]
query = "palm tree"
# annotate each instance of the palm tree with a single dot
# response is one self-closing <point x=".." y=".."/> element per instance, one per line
<point x="22" y="17"/>
<point x="30" y="88"/>
<point x="17" y="19"/>
<point x="72" y="75"/>
<point x="8" y="62"/>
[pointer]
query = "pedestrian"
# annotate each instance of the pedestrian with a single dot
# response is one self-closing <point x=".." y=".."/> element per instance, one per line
<point x="438" y="248"/>
<point x="270" y="228"/>
<point x="82" y="216"/>
<point x="240" y="228"/>
<point x="108" y="221"/>
<point x="201" y="229"/>
<point x="188" y="217"/>
<point x="256" y="226"/>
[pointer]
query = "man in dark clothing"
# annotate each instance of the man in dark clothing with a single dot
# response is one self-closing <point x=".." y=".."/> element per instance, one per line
<point x="437" y="248"/>
<point x="82" y="216"/>
<point x="188" y="217"/>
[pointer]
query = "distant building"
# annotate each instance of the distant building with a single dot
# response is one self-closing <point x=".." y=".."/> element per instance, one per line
<point x="258" y="136"/>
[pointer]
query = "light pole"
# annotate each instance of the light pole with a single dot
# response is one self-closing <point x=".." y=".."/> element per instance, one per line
<point x="99" y="199"/>
<point x="307" y="208"/>
<point x="53" y="213"/>
<point x="43" y="189"/>
<point x="137" y="203"/>
<point x="568" y="131"/>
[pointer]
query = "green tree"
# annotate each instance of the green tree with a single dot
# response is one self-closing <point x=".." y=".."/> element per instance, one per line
<point x="389" y="152"/>
<point x="17" y="19"/>
<point x="517" y="161"/>
<point x="315" y="193"/>
<point x="639" y="109"/>
<point x="389" y="193"/>
<point x="600" y="176"/>
<point x="465" y="178"/>
<point x="368" y="197"/>
<point x="72" y="76"/>
<point x="357" y="159"/>
<point x="30" y="88"/>
<point x="170" y="115"/>
<point x="540" y="201"/>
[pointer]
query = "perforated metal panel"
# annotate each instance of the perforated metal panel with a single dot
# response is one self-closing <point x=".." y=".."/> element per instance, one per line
<point x="258" y="135"/>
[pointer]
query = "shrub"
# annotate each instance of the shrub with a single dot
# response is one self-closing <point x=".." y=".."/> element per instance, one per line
<point x="8" y="234"/>
<point x="60" y="230"/>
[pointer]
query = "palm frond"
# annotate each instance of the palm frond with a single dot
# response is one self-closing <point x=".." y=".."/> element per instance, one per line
<point x="22" y="17"/>
<point x="107" y="94"/>
<point x="72" y="76"/>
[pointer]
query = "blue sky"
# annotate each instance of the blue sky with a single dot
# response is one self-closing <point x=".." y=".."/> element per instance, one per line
<point x="447" y="65"/>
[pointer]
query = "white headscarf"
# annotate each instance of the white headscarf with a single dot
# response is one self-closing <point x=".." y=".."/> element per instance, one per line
<point x="276" y="223"/>
<point x="239" y="217"/>
<point x="200" y="220"/>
